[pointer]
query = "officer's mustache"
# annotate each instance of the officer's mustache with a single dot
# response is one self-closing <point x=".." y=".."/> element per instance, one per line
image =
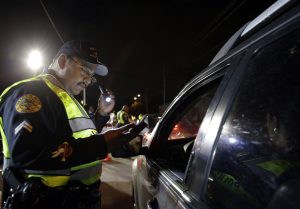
<point x="84" y="83"/>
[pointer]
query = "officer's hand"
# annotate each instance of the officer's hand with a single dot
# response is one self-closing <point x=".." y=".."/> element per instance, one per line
<point x="129" y="149"/>
<point x="106" y="103"/>
<point x="135" y="144"/>
<point x="115" y="139"/>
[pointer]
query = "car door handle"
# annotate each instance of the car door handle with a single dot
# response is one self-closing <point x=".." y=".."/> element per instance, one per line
<point x="152" y="204"/>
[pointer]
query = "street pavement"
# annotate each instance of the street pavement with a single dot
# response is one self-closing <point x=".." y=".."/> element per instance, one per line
<point x="116" y="184"/>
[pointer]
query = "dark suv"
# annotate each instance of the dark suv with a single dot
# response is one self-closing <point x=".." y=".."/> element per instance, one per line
<point x="230" y="139"/>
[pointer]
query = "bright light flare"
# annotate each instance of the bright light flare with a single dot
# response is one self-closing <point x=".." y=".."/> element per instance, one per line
<point x="108" y="99"/>
<point x="232" y="140"/>
<point x="34" y="60"/>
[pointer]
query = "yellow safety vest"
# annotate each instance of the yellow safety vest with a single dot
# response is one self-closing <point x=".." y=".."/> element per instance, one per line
<point x="82" y="127"/>
<point x="120" y="117"/>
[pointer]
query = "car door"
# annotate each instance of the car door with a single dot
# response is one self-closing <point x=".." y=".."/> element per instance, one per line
<point x="162" y="177"/>
<point x="256" y="154"/>
<point x="274" y="53"/>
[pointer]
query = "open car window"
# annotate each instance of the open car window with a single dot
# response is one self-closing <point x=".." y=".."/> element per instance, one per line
<point x="181" y="128"/>
<point x="188" y="124"/>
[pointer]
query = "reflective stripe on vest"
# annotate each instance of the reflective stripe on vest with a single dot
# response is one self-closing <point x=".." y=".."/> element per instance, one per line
<point x="82" y="127"/>
<point x="120" y="117"/>
<point x="5" y="150"/>
<point x="80" y="123"/>
<point x="17" y="83"/>
<point x="277" y="167"/>
<point x="87" y="176"/>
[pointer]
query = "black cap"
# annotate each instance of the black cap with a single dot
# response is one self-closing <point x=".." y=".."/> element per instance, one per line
<point x="85" y="51"/>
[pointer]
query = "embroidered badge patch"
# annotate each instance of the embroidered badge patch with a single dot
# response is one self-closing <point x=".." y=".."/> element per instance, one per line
<point x="63" y="151"/>
<point x="28" y="103"/>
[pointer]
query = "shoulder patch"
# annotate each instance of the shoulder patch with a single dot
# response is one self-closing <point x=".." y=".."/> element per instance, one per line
<point x="28" y="103"/>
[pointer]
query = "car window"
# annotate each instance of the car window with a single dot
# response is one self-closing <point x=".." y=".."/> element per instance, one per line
<point x="258" y="148"/>
<point x="181" y="128"/>
<point x="188" y="124"/>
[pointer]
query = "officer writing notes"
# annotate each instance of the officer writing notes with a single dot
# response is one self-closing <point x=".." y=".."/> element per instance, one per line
<point x="51" y="147"/>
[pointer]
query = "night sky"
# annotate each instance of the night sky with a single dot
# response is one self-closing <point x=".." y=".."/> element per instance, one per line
<point x="139" y="41"/>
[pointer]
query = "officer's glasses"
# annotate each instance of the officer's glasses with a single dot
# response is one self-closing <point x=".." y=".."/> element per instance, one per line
<point x="86" y="71"/>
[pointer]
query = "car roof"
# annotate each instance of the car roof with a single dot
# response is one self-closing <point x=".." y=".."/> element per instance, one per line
<point x="235" y="40"/>
<point x="250" y="28"/>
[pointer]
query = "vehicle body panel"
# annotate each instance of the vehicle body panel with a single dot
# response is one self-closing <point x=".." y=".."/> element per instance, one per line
<point x="157" y="183"/>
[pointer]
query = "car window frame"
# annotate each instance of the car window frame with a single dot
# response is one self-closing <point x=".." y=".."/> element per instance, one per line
<point x="222" y="71"/>
<point x="201" y="151"/>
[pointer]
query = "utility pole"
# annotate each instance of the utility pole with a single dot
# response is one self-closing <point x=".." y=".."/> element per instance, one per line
<point x="164" y="86"/>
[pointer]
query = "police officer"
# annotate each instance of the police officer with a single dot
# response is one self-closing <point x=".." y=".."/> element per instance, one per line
<point x="51" y="147"/>
<point x="123" y="116"/>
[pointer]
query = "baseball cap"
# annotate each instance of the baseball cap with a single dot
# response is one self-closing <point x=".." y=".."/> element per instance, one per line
<point x="85" y="51"/>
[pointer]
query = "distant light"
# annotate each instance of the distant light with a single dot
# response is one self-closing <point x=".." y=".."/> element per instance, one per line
<point x="81" y="102"/>
<point x="135" y="98"/>
<point x="175" y="127"/>
<point x="138" y="95"/>
<point x="34" y="60"/>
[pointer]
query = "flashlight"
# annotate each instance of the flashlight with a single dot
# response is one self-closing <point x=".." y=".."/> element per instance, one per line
<point x="105" y="94"/>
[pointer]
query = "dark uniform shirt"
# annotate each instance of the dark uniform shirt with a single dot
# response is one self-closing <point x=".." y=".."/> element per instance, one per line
<point x="38" y="132"/>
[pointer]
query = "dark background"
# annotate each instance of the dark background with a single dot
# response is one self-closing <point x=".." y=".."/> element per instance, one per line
<point x="141" y="42"/>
